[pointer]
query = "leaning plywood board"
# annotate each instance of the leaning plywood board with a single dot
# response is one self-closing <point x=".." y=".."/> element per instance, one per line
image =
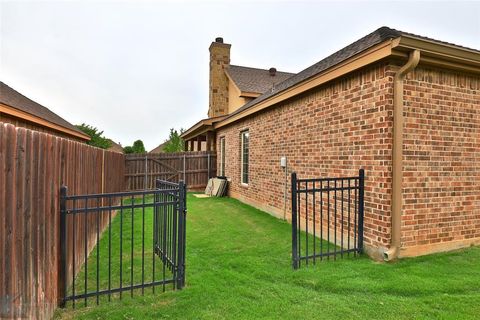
<point x="208" y="189"/>
<point x="216" y="186"/>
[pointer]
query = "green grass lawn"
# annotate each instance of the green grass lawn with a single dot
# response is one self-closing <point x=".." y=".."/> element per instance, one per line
<point x="239" y="267"/>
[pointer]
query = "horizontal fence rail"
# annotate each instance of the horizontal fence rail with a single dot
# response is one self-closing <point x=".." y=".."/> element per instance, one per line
<point x="141" y="245"/>
<point x="194" y="168"/>
<point x="327" y="213"/>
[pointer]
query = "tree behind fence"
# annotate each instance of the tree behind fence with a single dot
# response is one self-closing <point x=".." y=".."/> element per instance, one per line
<point x="195" y="168"/>
<point x="33" y="166"/>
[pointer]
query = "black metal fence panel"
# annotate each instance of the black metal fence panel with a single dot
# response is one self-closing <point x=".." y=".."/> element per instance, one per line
<point x="327" y="218"/>
<point x="142" y="244"/>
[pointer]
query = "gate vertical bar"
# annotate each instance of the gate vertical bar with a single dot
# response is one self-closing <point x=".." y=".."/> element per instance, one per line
<point x="132" y="244"/>
<point x="98" y="248"/>
<point x="294" y="221"/>
<point x="306" y="221"/>
<point x="85" y="250"/>
<point x="74" y="227"/>
<point x="63" y="244"/>
<point x="184" y="230"/>
<point x="361" y="183"/>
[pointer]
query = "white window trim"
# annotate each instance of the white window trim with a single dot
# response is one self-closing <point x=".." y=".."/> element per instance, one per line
<point x="222" y="156"/>
<point x="241" y="157"/>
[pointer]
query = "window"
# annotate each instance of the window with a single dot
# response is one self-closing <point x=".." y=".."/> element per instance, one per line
<point x="245" y="137"/>
<point x="222" y="156"/>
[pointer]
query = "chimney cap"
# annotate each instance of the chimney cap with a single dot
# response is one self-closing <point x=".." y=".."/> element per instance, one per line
<point x="272" y="71"/>
<point x="219" y="39"/>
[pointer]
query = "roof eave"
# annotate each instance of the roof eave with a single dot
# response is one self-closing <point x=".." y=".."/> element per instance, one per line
<point x="201" y="127"/>
<point x="440" y="54"/>
<point x="14" y="112"/>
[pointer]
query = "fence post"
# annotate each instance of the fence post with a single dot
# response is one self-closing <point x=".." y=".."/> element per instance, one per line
<point x="184" y="160"/>
<point x="361" y="183"/>
<point x="294" y="221"/>
<point x="63" y="245"/>
<point x="181" y="236"/>
<point x="146" y="173"/>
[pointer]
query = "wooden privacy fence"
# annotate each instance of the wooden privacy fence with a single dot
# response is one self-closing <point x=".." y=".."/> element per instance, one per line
<point x="33" y="167"/>
<point x="195" y="168"/>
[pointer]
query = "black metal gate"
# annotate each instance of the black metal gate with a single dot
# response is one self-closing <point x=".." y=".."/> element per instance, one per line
<point x="328" y="214"/>
<point x="122" y="241"/>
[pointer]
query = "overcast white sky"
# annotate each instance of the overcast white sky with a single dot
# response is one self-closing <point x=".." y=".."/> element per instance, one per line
<point x="136" y="69"/>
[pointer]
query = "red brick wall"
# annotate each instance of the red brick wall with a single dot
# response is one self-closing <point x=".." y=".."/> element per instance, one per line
<point x="441" y="161"/>
<point x="331" y="131"/>
<point x="347" y="124"/>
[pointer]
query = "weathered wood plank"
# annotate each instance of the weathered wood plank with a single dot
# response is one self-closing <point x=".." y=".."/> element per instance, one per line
<point x="3" y="208"/>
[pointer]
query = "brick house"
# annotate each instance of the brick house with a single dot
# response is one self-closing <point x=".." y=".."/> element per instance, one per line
<point x="17" y="109"/>
<point x="406" y="108"/>
<point x="231" y="87"/>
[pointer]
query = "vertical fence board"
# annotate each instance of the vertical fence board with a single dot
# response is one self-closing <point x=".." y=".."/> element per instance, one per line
<point x="9" y="222"/>
<point x="3" y="280"/>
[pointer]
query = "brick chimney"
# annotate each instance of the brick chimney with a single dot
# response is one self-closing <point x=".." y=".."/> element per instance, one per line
<point x="218" y="93"/>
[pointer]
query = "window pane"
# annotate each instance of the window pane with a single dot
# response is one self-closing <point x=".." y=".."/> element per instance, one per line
<point x="222" y="156"/>
<point x="245" y="156"/>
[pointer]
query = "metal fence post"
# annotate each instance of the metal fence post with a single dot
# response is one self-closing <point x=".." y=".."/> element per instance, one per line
<point x="63" y="245"/>
<point x="181" y="233"/>
<point x="294" y="222"/>
<point x="361" y="183"/>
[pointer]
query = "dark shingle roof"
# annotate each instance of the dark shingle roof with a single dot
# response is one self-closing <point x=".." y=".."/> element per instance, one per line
<point x="255" y="80"/>
<point x="18" y="101"/>
<point x="380" y="35"/>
